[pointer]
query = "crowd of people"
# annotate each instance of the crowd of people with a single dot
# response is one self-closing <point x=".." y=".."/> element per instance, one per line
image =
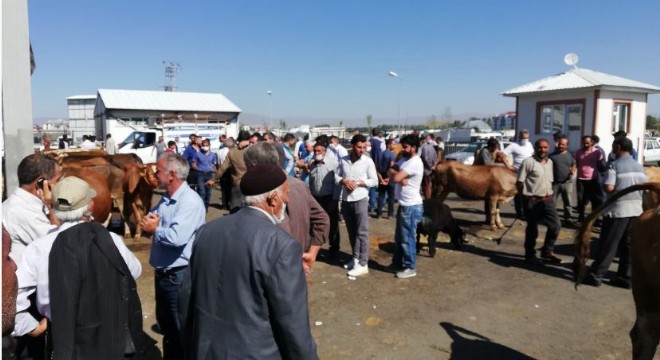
<point x="235" y="287"/>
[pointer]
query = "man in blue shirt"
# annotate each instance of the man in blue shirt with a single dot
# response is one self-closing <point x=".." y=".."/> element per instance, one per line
<point x="174" y="223"/>
<point x="385" y="186"/>
<point x="189" y="154"/>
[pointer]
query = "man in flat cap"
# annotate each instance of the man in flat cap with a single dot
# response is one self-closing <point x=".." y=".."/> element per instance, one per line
<point x="245" y="296"/>
<point x="75" y="248"/>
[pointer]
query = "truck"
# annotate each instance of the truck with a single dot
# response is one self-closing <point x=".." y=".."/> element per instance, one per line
<point x="141" y="140"/>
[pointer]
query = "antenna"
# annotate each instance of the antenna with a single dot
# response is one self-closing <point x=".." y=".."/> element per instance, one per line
<point x="171" y="68"/>
<point x="571" y="59"/>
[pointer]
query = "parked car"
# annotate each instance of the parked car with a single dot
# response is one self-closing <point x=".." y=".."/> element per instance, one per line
<point x="466" y="155"/>
<point x="651" y="151"/>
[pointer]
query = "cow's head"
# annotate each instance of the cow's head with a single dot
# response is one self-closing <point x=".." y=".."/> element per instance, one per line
<point x="134" y="173"/>
<point x="150" y="175"/>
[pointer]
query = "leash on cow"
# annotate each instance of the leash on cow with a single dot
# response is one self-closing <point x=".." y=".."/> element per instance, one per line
<point x="497" y="240"/>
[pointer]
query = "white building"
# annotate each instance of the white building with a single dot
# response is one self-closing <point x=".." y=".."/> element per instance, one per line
<point x="81" y="116"/>
<point x="582" y="102"/>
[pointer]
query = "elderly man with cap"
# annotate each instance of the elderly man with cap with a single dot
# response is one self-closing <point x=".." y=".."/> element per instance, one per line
<point x="90" y="243"/>
<point x="246" y="271"/>
<point x="234" y="160"/>
<point x="174" y="222"/>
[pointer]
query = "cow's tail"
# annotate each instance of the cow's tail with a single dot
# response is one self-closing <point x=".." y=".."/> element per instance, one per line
<point x="583" y="236"/>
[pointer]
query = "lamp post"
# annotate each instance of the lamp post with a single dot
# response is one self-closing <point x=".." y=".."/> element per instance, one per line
<point x="398" y="115"/>
<point x="270" y="95"/>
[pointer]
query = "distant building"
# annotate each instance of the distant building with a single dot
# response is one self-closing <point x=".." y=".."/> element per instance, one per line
<point x="80" y="109"/>
<point x="583" y="102"/>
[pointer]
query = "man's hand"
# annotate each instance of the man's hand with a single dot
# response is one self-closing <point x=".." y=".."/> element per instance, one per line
<point x="350" y="184"/>
<point x="149" y="223"/>
<point x="308" y="261"/>
<point x="45" y="194"/>
<point x="385" y="181"/>
<point x="40" y="329"/>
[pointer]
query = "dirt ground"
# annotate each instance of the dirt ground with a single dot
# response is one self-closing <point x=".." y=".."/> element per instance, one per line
<point x="483" y="302"/>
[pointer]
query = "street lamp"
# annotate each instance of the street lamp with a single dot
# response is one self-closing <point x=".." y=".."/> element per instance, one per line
<point x="398" y="115"/>
<point x="270" y="95"/>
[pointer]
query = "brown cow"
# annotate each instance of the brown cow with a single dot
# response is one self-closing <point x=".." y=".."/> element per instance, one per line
<point x="651" y="199"/>
<point x="138" y="185"/>
<point x="103" y="200"/>
<point x="495" y="184"/>
<point x="645" y="255"/>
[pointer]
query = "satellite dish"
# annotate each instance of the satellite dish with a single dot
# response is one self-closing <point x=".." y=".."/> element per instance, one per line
<point x="571" y="59"/>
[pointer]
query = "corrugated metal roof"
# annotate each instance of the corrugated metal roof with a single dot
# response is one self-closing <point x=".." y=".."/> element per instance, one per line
<point x="581" y="79"/>
<point x="165" y="101"/>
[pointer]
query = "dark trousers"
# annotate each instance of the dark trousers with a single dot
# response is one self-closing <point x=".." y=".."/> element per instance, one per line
<point x="167" y="306"/>
<point x="225" y="185"/>
<point x="614" y="237"/>
<point x="192" y="179"/>
<point x="565" y="191"/>
<point x="386" y="191"/>
<point x="203" y="190"/>
<point x="518" y="205"/>
<point x="331" y="207"/>
<point x="540" y="211"/>
<point x="589" y="191"/>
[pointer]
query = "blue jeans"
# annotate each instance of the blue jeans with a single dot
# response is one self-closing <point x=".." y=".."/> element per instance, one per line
<point x="373" y="197"/>
<point x="167" y="307"/>
<point x="203" y="190"/>
<point x="405" y="248"/>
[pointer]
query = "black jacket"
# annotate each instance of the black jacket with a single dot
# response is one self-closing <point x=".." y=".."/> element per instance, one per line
<point x="95" y="307"/>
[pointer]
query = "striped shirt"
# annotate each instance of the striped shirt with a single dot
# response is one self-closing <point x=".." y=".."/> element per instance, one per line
<point x="622" y="173"/>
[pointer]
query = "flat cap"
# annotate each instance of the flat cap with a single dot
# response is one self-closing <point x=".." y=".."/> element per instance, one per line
<point x="262" y="178"/>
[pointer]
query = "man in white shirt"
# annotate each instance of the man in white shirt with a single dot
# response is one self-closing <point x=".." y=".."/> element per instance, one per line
<point x="27" y="213"/>
<point x="356" y="173"/>
<point x="520" y="151"/>
<point x="338" y="149"/>
<point x="408" y="178"/>
<point x="111" y="145"/>
<point x="72" y="205"/>
<point x="87" y="144"/>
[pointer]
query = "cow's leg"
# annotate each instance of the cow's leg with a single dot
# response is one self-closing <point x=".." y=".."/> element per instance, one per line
<point x="493" y="212"/>
<point x="645" y="335"/>
<point x="498" y="219"/>
<point x="432" y="237"/>
<point x="419" y="234"/>
<point x="138" y="218"/>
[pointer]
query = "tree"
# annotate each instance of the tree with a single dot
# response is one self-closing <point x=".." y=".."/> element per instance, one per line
<point x="432" y="122"/>
<point x="458" y="124"/>
<point x="341" y="123"/>
<point x="447" y="116"/>
<point x="652" y="123"/>
<point x="282" y="124"/>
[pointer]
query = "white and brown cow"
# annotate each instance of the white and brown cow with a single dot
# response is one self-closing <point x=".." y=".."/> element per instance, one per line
<point x="495" y="184"/>
<point x="645" y="262"/>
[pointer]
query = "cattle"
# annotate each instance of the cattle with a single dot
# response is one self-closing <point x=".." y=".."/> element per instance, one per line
<point x="437" y="217"/>
<point x="138" y="187"/>
<point x="495" y="184"/>
<point x="103" y="200"/>
<point x="130" y="183"/>
<point x="645" y="261"/>
<point x="651" y="199"/>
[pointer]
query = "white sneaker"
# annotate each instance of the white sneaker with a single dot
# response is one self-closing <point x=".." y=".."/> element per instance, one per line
<point x="349" y="265"/>
<point x="358" y="270"/>
<point x="407" y="273"/>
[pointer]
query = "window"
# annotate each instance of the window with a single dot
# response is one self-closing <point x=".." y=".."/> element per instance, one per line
<point x="620" y="116"/>
<point x="565" y="117"/>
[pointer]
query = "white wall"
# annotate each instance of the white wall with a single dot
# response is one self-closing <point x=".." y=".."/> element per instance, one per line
<point x="16" y="87"/>
<point x="638" y="119"/>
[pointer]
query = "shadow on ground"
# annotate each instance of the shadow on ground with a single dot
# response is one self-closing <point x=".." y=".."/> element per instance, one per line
<point x="467" y="344"/>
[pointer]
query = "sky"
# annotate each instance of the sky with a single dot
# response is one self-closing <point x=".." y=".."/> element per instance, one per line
<point x="327" y="61"/>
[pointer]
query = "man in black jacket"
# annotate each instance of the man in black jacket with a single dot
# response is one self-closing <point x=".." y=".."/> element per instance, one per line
<point x="245" y="295"/>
